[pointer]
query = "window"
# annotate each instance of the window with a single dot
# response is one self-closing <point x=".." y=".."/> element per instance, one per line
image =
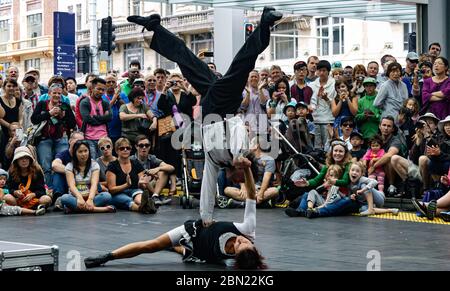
<point x="34" y="22"/>
<point x="5" y="30"/>
<point x="134" y="7"/>
<point x="166" y="64"/>
<point x="330" y="34"/>
<point x="133" y="51"/>
<point x="78" y="16"/>
<point x="4" y="2"/>
<point x="408" y="28"/>
<point x="32" y="63"/>
<point x="283" y="48"/>
<point x="202" y="42"/>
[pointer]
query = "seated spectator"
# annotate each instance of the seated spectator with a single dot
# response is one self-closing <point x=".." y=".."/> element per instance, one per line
<point x="123" y="177"/>
<point x="343" y="105"/>
<point x="347" y="126"/>
<point x="59" y="166"/>
<point x="96" y="114"/>
<point x="373" y="155"/>
<point x="83" y="179"/>
<point x="357" y="140"/>
<point x="156" y="168"/>
<point x="392" y="93"/>
<point x="436" y="90"/>
<point x="60" y="122"/>
<point x="133" y="114"/>
<point x="56" y="80"/>
<point x="302" y="110"/>
<point x="363" y="190"/>
<point x="26" y="182"/>
<point x="106" y="148"/>
<point x="264" y="170"/>
<point x="368" y="116"/>
<point x="7" y="210"/>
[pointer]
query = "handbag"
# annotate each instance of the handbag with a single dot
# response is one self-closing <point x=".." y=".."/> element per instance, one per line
<point x="166" y="126"/>
<point x="34" y="134"/>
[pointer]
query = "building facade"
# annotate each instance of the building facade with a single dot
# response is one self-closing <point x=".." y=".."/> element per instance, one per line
<point x="26" y="35"/>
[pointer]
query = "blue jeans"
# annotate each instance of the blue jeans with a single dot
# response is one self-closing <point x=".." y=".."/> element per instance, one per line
<point x="343" y="206"/>
<point x="125" y="199"/>
<point x="303" y="203"/>
<point x="93" y="149"/>
<point x="59" y="184"/>
<point x="46" y="151"/>
<point x="101" y="200"/>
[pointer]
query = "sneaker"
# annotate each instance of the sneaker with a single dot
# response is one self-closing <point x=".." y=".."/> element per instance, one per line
<point x="445" y="216"/>
<point x="160" y="200"/>
<point x="431" y="210"/>
<point x="419" y="207"/>
<point x="40" y="210"/>
<point x="392" y="190"/>
<point x="312" y="213"/>
<point x="395" y="211"/>
<point x="156" y="200"/>
<point x="270" y="15"/>
<point x="93" y="262"/>
<point x="291" y="212"/>
<point x="58" y="205"/>
<point x="147" y="205"/>
<point x="148" y="23"/>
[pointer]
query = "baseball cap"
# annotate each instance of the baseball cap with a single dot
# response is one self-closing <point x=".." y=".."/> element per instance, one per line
<point x="336" y="65"/>
<point x="412" y="56"/>
<point x="28" y="76"/>
<point x="370" y="80"/>
<point x="299" y="65"/>
<point x="301" y="104"/>
<point x="33" y="70"/>
<point x="356" y="133"/>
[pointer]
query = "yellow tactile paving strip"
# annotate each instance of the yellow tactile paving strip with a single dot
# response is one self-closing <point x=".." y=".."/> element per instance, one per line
<point x="409" y="216"/>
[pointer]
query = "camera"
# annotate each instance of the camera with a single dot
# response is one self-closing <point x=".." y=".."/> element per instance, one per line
<point x="173" y="83"/>
<point x="420" y="124"/>
<point x="361" y="78"/>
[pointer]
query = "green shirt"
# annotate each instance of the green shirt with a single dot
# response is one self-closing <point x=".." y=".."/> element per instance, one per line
<point x="126" y="87"/>
<point x="368" y="127"/>
<point x="319" y="179"/>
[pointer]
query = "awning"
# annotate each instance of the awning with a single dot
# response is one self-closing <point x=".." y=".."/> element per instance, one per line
<point x="378" y="10"/>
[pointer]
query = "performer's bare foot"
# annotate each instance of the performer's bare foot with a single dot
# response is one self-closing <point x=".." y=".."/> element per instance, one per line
<point x="149" y="22"/>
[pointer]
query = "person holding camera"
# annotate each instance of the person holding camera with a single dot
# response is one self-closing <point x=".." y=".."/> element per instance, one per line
<point x="279" y="100"/>
<point x="359" y="74"/>
<point x="345" y="104"/>
<point x="60" y="121"/>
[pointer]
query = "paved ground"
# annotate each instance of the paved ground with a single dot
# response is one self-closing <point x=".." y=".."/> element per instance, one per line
<point x="293" y="244"/>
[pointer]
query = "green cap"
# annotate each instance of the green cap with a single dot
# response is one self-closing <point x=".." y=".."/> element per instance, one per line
<point x="370" y="80"/>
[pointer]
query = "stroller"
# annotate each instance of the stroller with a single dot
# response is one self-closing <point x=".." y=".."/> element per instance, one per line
<point x="193" y="165"/>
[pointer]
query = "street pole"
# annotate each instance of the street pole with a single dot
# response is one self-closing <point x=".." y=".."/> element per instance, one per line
<point x="94" y="37"/>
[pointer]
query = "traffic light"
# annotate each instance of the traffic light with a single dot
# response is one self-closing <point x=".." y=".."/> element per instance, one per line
<point x="84" y="60"/>
<point x="107" y="35"/>
<point x="248" y="30"/>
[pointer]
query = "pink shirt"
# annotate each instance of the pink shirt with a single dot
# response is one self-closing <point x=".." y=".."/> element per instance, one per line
<point x="96" y="132"/>
<point x="370" y="155"/>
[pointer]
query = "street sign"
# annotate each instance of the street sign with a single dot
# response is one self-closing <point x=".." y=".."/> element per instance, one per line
<point x="64" y="44"/>
<point x="103" y="67"/>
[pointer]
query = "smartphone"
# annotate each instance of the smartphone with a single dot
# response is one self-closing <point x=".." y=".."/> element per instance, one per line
<point x="19" y="134"/>
<point x="432" y="143"/>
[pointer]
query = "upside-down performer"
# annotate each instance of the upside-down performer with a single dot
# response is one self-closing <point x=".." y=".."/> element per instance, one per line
<point x="219" y="96"/>
<point x="213" y="244"/>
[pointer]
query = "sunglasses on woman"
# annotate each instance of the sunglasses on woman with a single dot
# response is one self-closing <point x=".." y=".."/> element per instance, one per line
<point x="122" y="149"/>
<point x="106" y="147"/>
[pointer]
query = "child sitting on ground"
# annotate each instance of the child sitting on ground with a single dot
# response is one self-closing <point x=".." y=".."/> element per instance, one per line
<point x="7" y="210"/>
<point x="373" y="155"/>
<point x="326" y="193"/>
<point x="363" y="190"/>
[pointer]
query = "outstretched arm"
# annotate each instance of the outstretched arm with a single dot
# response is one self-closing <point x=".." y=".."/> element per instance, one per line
<point x="248" y="227"/>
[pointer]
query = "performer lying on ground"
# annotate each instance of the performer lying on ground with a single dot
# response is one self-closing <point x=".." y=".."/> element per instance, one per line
<point x="219" y="96"/>
<point x="213" y="244"/>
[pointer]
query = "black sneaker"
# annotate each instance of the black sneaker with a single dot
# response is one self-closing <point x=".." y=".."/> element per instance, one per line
<point x="147" y="205"/>
<point x="291" y="212"/>
<point x="419" y="207"/>
<point x="94" y="262"/>
<point x="312" y="213"/>
<point x="445" y="216"/>
<point x="149" y="22"/>
<point x="270" y="15"/>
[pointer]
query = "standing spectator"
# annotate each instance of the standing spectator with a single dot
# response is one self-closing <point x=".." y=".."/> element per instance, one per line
<point x="39" y="89"/>
<point x="386" y="60"/>
<point x="116" y="99"/>
<point x="264" y="74"/>
<point x="359" y="74"/>
<point x="83" y="177"/>
<point x="436" y="90"/>
<point x="392" y="93"/>
<point x="13" y="73"/>
<point x="29" y="93"/>
<point x="133" y="74"/>
<point x="152" y="96"/>
<point x="412" y="63"/>
<point x="368" y="116"/>
<point x="255" y="97"/>
<point x="434" y="50"/>
<point x="300" y="90"/>
<point x="373" y="68"/>
<point x="60" y="122"/>
<point x="323" y="93"/>
<point x="276" y="74"/>
<point x="161" y="78"/>
<point x="422" y="73"/>
<point x="88" y="83"/>
<point x="338" y="74"/>
<point x="280" y="98"/>
<point x="344" y="105"/>
<point x="26" y="182"/>
<point x="348" y="75"/>
<point x="313" y="61"/>
<point x="133" y="116"/>
<point x="71" y="87"/>
<point x="96" y="114"/>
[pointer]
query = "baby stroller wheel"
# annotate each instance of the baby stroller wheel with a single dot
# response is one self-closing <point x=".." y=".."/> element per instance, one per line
<point x="222" y="202"/>
<point x="184" y="202"/>
<point x="190" y="202"/>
